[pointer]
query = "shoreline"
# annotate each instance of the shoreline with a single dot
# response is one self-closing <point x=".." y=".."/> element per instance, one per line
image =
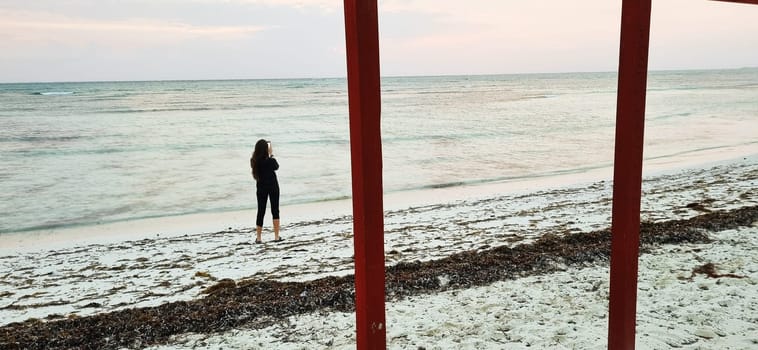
<point x="89" y="280"/>
<point x="83" y="280"/>
<point x="229" y="304"/>
<point x="173" y="226"/>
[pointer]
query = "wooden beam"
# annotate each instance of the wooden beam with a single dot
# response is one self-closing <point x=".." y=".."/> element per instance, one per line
<point x="362" y="39"/>
<point x="627" y="172"/>
<point x="754" y="2"/>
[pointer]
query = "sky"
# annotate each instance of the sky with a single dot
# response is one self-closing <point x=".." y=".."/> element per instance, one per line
<point x="104" y="40"/>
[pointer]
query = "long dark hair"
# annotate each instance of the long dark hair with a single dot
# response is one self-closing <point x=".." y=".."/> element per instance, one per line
<point x="259" y="154"/>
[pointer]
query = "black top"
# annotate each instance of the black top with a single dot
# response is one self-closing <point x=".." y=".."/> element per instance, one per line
<point x="267" y="172"/>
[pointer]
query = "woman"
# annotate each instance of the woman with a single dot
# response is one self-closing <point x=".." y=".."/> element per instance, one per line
<point x="267" y="186"/>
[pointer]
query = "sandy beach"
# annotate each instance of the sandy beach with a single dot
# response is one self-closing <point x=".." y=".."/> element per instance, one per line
<point x="562" y="310"/>
<point x="563" y="306"/>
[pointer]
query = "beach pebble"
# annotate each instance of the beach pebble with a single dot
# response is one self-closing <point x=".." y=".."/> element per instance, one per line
<point x="676" y="341"/>
<point x="706" y="333"/>
<point x="719" y="332"/>
<point x="443" y="280"/>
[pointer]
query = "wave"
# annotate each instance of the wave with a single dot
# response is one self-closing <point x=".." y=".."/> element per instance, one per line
<point x="105" y="217"/>
<point x="40" y="138"/>
<point x="558" y="172"/>
<point x="670" y="115"/>
<point x="319" y="200"/>
<point x="701" y="149"/>
<point x="112" y="149"/>
<point x="445" y="137"/>
<point x="331" y="141"/>
<point x="271" y="105"/>
<point x="706" y="87"/>
<point x="153" y="110"/>
<point x="448" y="184"/>
<point x="19" y="109"/>
<point x="481" y="181"/>
<point x="54" y="93"/>
<point x="332" y="92"/>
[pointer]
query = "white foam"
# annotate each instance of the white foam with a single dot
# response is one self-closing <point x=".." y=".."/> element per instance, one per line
<point x="56" y="93"/>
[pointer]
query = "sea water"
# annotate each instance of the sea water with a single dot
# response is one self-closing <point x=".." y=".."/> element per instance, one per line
<point x="97" y="152"/>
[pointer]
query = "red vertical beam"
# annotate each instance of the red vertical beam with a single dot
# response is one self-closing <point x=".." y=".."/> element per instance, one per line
<point x="627" y="172"/>
<point x="361" y="28"/>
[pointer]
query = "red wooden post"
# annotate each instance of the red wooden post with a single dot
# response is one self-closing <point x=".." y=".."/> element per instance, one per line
<point x="362" y="36"/>
<point x="627" y="172"/>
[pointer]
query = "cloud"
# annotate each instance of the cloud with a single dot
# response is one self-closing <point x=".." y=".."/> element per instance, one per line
<point x="538" y="24"/>
<point x="328" y="5"/>
<point x="25" y="28"/>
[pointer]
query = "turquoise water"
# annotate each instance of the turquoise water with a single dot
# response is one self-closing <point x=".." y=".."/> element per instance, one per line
<point x="89" y="153"/>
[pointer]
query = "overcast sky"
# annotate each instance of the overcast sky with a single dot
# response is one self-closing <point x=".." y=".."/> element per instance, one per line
<point x="83" y="40"/>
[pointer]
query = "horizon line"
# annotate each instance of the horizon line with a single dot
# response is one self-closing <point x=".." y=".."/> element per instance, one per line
<point x="381" y="76"/>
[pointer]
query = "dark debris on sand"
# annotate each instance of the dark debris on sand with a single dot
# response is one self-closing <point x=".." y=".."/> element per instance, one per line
<point x="253" y="303"/>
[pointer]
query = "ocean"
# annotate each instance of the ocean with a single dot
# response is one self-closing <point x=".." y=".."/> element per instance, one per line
<point x="77" y="154"/>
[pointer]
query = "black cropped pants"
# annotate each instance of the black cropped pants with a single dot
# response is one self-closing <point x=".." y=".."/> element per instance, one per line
<point x="263" y="194"/>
